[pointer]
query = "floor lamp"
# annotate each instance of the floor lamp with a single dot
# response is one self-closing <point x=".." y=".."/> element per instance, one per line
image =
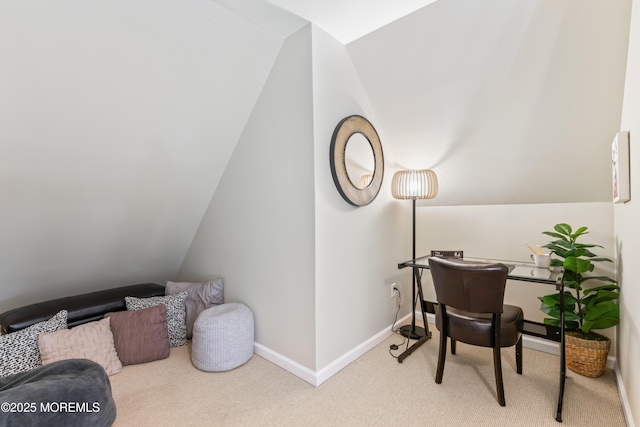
<point x="414" y="184"/>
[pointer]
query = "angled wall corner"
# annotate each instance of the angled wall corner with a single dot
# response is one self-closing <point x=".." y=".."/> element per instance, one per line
<point x="357" y="249"/>
<point x="113" y="141"/>
<point x="258" y="232"/>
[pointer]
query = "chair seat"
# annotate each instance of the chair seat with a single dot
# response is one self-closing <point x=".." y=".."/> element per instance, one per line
<point x="475" y="328"/>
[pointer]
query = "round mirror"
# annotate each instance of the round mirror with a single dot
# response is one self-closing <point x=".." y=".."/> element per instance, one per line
<point x="359" y="160"/>
<point x="357" y="163"/>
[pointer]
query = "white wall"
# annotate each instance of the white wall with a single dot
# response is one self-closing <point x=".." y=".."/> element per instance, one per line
<point x="258" y="232"/>
<point x="357" y="248"/>
<point x="116" y="122"/>
<point x="627" y="232"/>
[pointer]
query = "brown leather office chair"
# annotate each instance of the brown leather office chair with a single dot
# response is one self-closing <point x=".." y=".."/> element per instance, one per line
<point x="471" y="309"/>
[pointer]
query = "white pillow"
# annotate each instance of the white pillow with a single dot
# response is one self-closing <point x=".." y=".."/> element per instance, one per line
<point x="93" y="341"/>
<point x="19" y="349"/>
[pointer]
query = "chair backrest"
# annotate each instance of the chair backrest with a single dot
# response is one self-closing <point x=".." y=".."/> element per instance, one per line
<point x="473" y="287"/>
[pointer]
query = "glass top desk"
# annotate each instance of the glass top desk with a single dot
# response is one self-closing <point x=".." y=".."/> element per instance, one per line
<point x="518" y="270"/>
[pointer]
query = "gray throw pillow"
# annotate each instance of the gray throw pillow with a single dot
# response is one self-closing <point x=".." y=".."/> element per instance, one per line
<point x="201" y="296"/>
<point x="19" y="350"/>
<point x="176" y="314"/>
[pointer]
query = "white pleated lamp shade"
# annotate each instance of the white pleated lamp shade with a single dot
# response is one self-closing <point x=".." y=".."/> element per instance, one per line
<point x="414" y="184"/>
<point x="365" y="180"/>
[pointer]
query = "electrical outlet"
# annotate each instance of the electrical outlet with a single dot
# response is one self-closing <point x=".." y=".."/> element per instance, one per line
<point x="394" y="288"/>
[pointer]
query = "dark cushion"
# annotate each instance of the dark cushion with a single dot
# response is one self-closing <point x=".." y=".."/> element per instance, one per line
<point x="82" y="308"/>
<point x="475" y="328"/>
<point x="69" y="393"/>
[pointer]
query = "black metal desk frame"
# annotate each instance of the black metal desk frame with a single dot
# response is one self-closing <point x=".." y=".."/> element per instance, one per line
<point x="521" y="271"/>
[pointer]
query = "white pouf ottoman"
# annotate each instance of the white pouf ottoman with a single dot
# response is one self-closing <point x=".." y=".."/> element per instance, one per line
<point x="222" y="337"/>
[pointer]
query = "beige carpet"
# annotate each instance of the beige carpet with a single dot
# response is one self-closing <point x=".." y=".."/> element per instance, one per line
<point x="373" y="390"/>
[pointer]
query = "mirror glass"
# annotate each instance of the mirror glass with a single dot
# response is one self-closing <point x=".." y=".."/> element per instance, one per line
<point x="359" y="160"/>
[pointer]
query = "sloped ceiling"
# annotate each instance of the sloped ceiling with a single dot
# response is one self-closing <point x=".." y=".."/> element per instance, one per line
<point x="349" y="20"/>
<point x="487" y="88"/>
<point x="509" y="102"/>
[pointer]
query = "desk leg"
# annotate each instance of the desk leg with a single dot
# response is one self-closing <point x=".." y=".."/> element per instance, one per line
<point x="423" y="309"/>
<point x="427" y="333"/>
<point x="563" y="364"/>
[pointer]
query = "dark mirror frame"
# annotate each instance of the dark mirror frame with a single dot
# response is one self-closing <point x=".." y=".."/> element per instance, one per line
<point x="343" y="131"/>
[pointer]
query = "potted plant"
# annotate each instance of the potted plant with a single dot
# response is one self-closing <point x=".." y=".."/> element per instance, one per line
<point x="586" y="308"/>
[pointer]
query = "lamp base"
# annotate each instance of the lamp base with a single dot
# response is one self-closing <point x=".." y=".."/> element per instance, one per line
<point x="414" y="333"/>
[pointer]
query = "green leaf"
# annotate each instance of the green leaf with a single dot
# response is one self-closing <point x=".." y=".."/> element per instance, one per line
<point x="570" y="315"/>
<point x="587" y="253"/>
<point x="601" y="316"/>
<point x="589" y="301"/>
<point x="602" y="309"/>
<point x="600" y="278"/>
<point x="586" y="245"/>
<point x="577" y="265"/>
<point x="562" y="243"/>
<point x="552" y="300"/>
<point x="556" y="235"/>
<point x="600" y="259"/>
<point x="579" y="232"/>
<point x="575" y="252"/>
<point x="569" y="300"/>
<point x="557" y="249"/>
<point x="602" y="288"/>
<point x="571" y="326"/>
<point x="563" y="229"/>
<point x="573" y="284"/>
<point x="602" y="323"/>
<point x="552" y="322"/>
<point x="553" y="312"/>
<point x="603" y="296"/>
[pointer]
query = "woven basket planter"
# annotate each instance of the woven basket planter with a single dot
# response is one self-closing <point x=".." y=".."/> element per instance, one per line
<point x="586" y="357"/>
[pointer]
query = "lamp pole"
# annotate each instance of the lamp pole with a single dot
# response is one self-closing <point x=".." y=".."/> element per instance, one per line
<point x="412" y="331"/>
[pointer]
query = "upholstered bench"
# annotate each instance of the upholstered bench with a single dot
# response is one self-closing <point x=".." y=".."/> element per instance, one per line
<point x="82" y="308"/>
<point x="222" y="337"/>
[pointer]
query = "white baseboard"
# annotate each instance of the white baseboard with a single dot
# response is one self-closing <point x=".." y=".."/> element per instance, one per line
<point x="285" y="363"/>
<point x="316" y="378"/>
<point x="624" y="398"/>
<point x="338" y="364"/>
